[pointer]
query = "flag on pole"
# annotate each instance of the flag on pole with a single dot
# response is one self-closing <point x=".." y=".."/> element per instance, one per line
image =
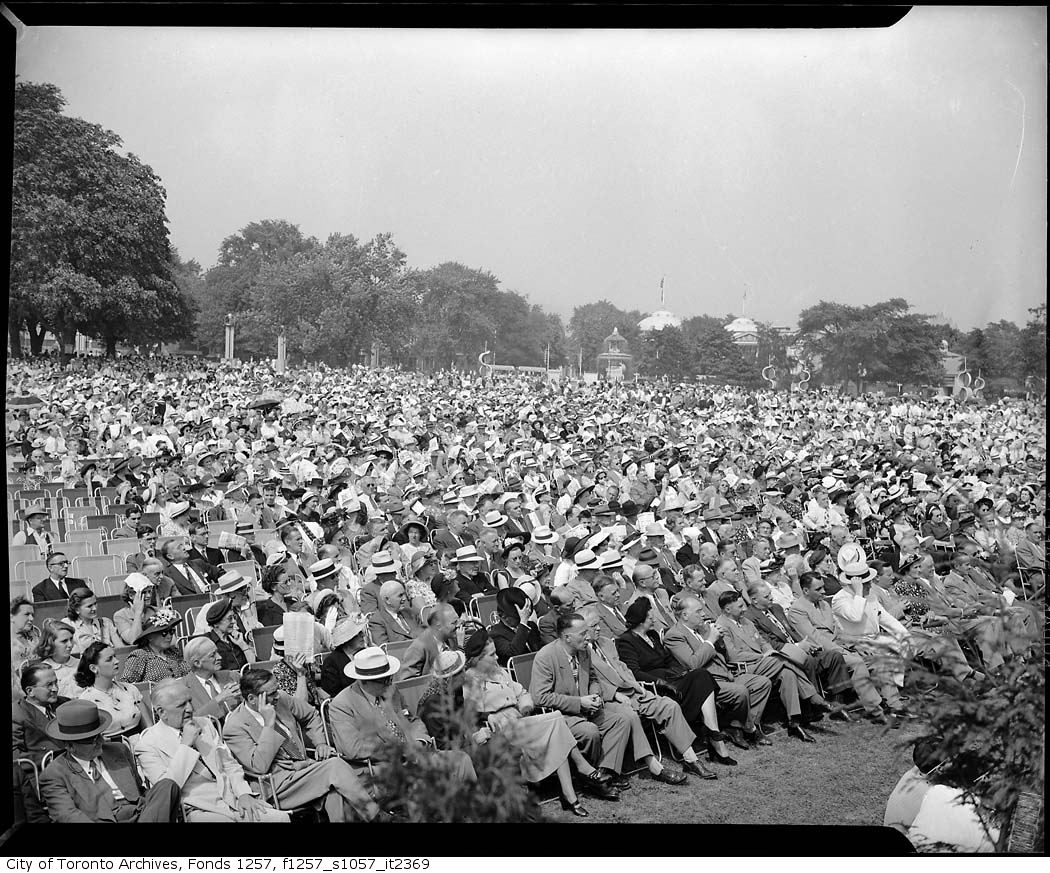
<point x="662" y="290"/>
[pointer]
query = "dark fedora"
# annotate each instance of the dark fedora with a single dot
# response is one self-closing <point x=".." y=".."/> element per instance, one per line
<point x="78" y="720"/>
<point x="648" y="556"/>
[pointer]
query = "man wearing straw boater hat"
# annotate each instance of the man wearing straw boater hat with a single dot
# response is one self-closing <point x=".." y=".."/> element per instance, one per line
<point x="97" y="781"/>
<point x="370" y="714"/>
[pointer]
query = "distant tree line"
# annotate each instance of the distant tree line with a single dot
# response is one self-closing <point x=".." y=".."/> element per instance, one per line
<point x="91" y="254"/>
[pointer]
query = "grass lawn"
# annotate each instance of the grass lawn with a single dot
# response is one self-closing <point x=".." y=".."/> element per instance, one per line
<point x="844" y="778"/>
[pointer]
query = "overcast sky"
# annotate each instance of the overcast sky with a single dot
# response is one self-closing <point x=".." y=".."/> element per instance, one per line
<point x="799" y="165"/>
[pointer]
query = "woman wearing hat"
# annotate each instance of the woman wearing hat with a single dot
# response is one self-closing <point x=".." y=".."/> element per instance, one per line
<point x="141" y="598"/>
<point x="88" y="626"/>
<point x="514" y="565"/>
<point x="413" y="538"/>
<point x="348" y="637"/>
<point x="156" y="658"/>
<point x="97" y="676"/>
<point x="234" y="650"/>
<point x="544" y="740"/>
<point x="418" y="585"/>
<point x="441" y="706"/>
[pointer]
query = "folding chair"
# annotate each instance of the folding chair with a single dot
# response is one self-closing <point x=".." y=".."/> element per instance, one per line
<point x="97" y="567"/>
<point x="15" y="554"/>
<point x="74" y="516"/>
<point x="411" y="690"/>
<point x="93" y="538"/>
<point x="259" y="665"/>
<point x="263" y="536"/>
<point x="74" y="549"/>
<point x="111" y="585"/>
<point x="121" y="547"/>
<point x="397" y="649"/>
<point x="248" y="569"/>
<point x="520" y="668"/>
<point x="146" y="690"/>
<point x="33" y="495"/>
<point x="262" y="637"/>
<point x="28" y="571"/>
<point x="21" y="588"/>
<point x="189" y="620"/>
<point x="107" y="522"/>
<point x="217" y="527"/>
<point x="329" y="737"/>
<point x="486" y="609"/>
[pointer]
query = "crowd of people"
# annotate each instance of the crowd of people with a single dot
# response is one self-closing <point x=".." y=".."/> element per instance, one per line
<point x="585" y="569"/>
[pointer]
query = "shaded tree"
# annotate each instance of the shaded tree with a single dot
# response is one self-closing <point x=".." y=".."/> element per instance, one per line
<point x="591" y="323"/>
<point x="665" y="353"/>
<point x="89" y="247"/>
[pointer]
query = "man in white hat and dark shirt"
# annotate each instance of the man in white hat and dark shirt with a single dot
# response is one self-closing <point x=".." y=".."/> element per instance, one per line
<point x="370" y="714"/>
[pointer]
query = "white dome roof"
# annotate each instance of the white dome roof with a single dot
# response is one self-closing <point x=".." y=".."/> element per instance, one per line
<point x="659" y="320"/>
<point x="742" y="325"/>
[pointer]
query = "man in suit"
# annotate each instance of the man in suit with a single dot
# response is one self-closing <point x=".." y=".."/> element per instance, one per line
<point x="826" y="664"/>
<point x="189" y="577"/>
<point x="811" y="617"/>
<point x="561" y="673"/>
<point x="370" y="714"/>
<point x="752" y="567"/>
<point x="129" y="529"/>
<point x="382" y="569"/>
<point x="214" y="693"/>
<point x="201" y="552"/>
<point x="744" y="643"/>
<point x="607" y="609"/>
<point x="264" y="734"/>
<point x="470" y="581"/>
<point x="708" y="561"/>
<point x="190" y="752"/>
<point x="439" y="636"/>
<point x="489" y="547"/>
<point x="647" y="586"/>
<point x="727" y="578"/>
<point x="29" y="738"/>
<point x="456" y="535"/>
<point x="588" y="568"/>
<point x="561" y="605"/>
<point x="619" y="685"/>
<point x="515" y="633"/>
<point x="57" y="585"/>
<point x="696" y="643"/>
<point x="393" y="621"/>
<point x="666" y="563"/>
<point x="147" y="542"/>
<point x="97" y="781"/>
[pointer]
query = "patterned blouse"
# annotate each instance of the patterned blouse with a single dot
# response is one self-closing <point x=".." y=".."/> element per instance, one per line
<point x="143" y="665"/>
<point x="121" y="701"/>
<point x="287" y="680"/>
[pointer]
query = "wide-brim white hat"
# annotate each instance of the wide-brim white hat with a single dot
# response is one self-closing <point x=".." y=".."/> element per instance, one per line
<point x="372" y="663"/>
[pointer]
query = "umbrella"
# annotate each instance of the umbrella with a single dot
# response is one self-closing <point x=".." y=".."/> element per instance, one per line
<point x="266" y="400"/>
<point x="24" y="401"/>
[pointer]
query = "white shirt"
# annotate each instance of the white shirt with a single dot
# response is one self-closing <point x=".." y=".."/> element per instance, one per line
<point x="945" y="817"/>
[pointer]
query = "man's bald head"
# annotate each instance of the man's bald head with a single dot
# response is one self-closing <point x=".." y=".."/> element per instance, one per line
<point x="708" y="553"/>
<point x="562" y="597"/>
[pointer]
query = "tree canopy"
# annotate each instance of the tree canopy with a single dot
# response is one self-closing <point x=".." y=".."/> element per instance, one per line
<point x="89" y="247"/>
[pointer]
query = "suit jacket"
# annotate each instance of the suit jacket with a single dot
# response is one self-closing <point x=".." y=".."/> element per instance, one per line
<point x="28" y="738"/>
<point x="203" y="704"/>
<point x="742" y="639"/>
<point x="692" y="652"/>
<point x="333" y="677"/>
<point x="515" y="641"/>
<point x="421" y="654"/>
<point x="815" y="622"/>
<point x="648" y="663"/>
<point x="686" y="556"/>
<point x="552" y="684"/>
<point x="443" y="540"/>
<point x="134" y="562"/>
<point x="72" y="796"/>
<point x="360" y="728"/>
<point x="613" y="674"/>
<point x="210" y="782"/>
<point x="212" y="557"/>
<point x="261" y="749"/>
<point x="612" y="625"/>
<point x="368" y="597"/>
<point x="385" y="629"/>
<point x="182" y="583"/>
<point x="583" y="591"/>
<point x="548" y="627"/>
<point x="711" y="595"/>
<point x="774" y="636"/>
<point x="1030" y="556"/>
<point x="468" y="586"/>
<point x="48" y="590"/>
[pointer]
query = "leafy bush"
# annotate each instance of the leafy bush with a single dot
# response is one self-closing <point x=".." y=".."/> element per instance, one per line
<point x="992" y="729"/>
<point x="423" y="789"/>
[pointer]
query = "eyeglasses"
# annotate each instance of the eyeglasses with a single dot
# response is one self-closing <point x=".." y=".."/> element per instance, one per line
<point x="59" y="564"/>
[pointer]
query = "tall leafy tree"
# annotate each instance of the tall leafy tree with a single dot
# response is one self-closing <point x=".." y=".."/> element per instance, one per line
<point x="666" y="353"/>
<point x="89" y="248"/>
<point x="1033" y="343"/>
<point x="591" y="323"/>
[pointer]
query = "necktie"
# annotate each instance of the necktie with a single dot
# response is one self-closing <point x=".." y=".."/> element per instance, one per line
<point x="402" y="624"/>
<point x="50" y="710"/>
<point x="620" y="615"/>
<point x="778" y="625"/>
<point x="575" y="664"/>
<point x="395" y="729"/>
<point x="291" y="744"/>
<point x="93" y="771"/>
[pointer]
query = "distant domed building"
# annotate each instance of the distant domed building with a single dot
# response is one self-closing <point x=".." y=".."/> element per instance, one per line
<point x="659" y="320"/>
<point x="744" y="332"/>
<point x="614" y="362"/>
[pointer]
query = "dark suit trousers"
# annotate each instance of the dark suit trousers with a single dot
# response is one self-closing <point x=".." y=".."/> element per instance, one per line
<point x="833" y="672"/>
<point x="693" y="689"/>
<point x="157" y="806"/>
